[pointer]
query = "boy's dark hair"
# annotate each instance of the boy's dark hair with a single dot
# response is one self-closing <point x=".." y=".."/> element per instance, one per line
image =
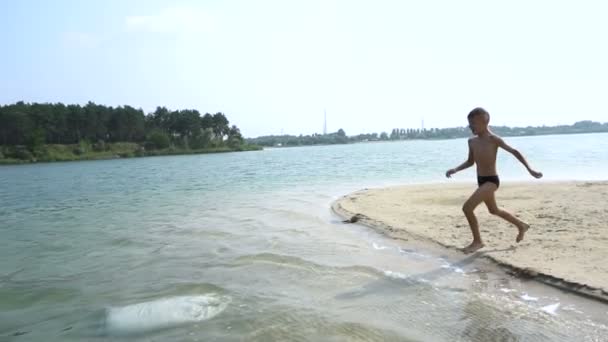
<point x="479" y="111"/>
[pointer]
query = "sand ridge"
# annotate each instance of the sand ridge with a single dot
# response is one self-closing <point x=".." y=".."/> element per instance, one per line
<point x="567" y="241"/>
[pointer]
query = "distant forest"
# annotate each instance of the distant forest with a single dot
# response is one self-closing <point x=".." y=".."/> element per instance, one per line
<point x="56" y="123"/>
<point x="340" y="136"/>
<point x="56" y="132"/>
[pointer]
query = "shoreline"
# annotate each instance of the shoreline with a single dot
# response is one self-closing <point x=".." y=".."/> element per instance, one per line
<point x="126" y="155"/>
<point x="564" y="248"/>
<point x="431" y="139"/>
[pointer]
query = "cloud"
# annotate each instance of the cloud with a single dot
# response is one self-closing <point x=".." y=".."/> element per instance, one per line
<point x="176" y="20"/>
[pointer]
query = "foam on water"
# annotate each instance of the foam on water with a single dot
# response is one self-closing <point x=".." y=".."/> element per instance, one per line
<point x="551" y="309"/>
<point x="395" y="275"/>
<point x="526" y="297"/>
<point x="163" y="313"/>
<point x="378" y="247"/>
<point x="453" y="268"/>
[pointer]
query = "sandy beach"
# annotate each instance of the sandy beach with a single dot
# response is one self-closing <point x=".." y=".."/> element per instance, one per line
<point x="567" y="244"/>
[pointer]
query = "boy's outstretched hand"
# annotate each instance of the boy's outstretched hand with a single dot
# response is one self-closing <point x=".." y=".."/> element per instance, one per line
<point x="536" y="174"/>
<point x="450" y="172"/>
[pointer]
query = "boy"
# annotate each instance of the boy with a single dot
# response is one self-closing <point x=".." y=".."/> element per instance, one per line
<point x="482" y="151"/>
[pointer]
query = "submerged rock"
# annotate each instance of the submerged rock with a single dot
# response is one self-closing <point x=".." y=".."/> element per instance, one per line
<point x="163" y="313"/>
<point x="354" y="219"/>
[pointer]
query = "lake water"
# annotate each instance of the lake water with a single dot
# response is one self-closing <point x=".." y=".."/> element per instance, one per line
<point x="243" y="247"/>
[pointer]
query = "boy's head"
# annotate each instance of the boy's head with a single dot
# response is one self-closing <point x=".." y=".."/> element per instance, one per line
<point x="479" y="119"/>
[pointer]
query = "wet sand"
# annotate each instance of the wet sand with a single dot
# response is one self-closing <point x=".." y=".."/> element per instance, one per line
<point x="566" y="246"/>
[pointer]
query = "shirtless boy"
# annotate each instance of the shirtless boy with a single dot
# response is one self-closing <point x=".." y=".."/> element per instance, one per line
<point x="482" y="152"/>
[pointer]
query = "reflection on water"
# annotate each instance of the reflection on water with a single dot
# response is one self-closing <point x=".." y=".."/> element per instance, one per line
<point x="135" y="250"/>
<point x="482" y="324"/>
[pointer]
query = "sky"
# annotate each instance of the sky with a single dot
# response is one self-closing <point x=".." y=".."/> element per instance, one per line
<point x="275" y="66"/>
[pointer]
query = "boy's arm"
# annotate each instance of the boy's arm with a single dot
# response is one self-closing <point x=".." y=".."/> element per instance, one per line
<point x="502" y="144"/>
<point x="468" y="163"/>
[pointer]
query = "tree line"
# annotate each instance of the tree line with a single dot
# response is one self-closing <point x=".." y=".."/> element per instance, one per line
<point x="585" y="126"/>
<point x="433" y="133"/>
<point x="338" y="137"/>
<point x="35" y="124"/>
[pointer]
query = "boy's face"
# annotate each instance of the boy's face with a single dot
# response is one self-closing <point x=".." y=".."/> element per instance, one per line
<point x="478" y="124"/>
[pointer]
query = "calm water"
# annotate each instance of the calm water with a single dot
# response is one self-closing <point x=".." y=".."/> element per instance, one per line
<point x="244" y="247"/>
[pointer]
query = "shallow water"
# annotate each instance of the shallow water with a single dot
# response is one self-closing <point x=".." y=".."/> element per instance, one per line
<point x="243" y="247"/>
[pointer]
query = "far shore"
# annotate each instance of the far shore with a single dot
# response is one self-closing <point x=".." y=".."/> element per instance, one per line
<point x="566" y="246"/>
<point x="65" y="153"/>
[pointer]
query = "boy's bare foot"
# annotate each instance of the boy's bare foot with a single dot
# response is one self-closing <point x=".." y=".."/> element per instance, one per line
<point x="522" y="231"/>
<point x="473" y="247"/>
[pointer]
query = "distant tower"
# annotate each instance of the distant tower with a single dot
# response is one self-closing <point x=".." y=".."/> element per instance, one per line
<point x="422" y="124"/>
<point x="324" y="122"/>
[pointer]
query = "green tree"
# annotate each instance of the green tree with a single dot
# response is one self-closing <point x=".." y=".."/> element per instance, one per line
<point x="207" y="121"/>
<point x="75" y="122"/>
<point x="135" y="124"/>
<point x="235" y="139"/>
<point x="35" y="139"/>
<point x="158" y="140"/>
<point x="92" y="120"/>
<point x="341" y="137"/>
<point x="188" y="123"/>
<point x="395" y="134"/>
<point x="15" y="126"/>
<point x="220" y="126"/>
<point x="160" y="119"/>
<point x="202" y="140"/>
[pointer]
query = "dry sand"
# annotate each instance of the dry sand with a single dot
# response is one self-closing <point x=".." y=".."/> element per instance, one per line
<point x="567" y="243"/>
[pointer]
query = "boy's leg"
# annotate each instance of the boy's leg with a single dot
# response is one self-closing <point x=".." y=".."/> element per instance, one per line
<point x="480" y="195"/>
<point x="494" y="210"/>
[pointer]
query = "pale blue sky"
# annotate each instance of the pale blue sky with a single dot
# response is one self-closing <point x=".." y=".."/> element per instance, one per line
<point x="276" y="65"/>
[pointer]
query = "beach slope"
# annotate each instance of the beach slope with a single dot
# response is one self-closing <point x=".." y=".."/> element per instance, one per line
<point x="567" y="244"/>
